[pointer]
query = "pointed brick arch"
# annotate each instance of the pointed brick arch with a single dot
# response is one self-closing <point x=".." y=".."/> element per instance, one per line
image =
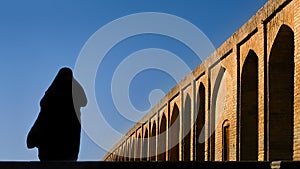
<point x="152" y="146"/>
<point x="214" y="105"/>
<point x="127" y="148"/>
<point x="249" y="109"/>
<point x="174" y="134"/>
<point x="225" y="140"/>
<point x="145" y="145"/>
<point x="162" y="138"/>
<point x="187" y="128"/>
<point x="199" y="124"/>
<point x="138" y="148"/>
<point x="132" y="149"/>
<point x="123" y="151"/>
<point x="281" y="95"/>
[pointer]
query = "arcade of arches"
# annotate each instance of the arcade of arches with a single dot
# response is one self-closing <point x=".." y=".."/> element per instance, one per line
<point x="241" y="104"/>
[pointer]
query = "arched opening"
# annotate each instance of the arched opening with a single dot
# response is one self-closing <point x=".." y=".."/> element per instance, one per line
<point x="162" y="139"/>
<point x="119" y="154"/>
<point x="187" y="129"/>
<point x="174" y="134"/>
<point x="249" y="109"/>
<point x="123" y="152"/>
<point x="281" y="95"/>
<point x="200" y="127"/>
<point x="138" y="148"/>
<point x="127" y="150"/>
<point x="131" y="157"/>
<point x="112" y="157"/>
<point x="217" y="108"/>
<point x="225" y="141"/>
<point x="153" y="143"/>
<point x="145" y="146"/>
<point x="116" y="155"/>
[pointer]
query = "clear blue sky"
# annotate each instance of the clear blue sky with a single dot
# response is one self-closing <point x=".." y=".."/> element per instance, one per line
<point x="39" y="37"/>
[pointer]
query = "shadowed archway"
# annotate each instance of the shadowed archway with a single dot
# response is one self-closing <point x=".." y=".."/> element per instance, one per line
<point x="145" y="146"/>
<point x="152" y="146"/>
<point x="174" y="134"/>
<point x="216" y="105"/>
<point x="187" y="129"/>
<point x="138" y="148"/>
<point x="200" y="121"/>
<point x="249" y="109"/>
<point x="162" y="139"/>
<point x="281" y="95"/>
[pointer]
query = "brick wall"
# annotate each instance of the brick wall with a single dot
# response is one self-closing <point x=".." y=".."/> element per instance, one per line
<point x="268" y="34"/>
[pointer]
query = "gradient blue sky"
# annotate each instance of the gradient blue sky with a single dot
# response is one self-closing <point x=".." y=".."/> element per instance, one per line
<point x="39" y="37"/>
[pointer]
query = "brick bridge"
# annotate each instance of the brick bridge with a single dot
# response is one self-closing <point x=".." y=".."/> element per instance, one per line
<point x="241" y="104"/>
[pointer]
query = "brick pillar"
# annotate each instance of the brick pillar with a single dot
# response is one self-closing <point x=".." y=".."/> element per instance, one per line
<point x="261" y="93"/>
<point x="297" y="81"/>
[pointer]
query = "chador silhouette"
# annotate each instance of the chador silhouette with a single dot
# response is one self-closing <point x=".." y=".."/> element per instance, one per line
<point x="56" y="131"/>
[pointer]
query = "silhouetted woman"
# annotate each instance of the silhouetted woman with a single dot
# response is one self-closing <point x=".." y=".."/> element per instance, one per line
<point x="56" y="131"/>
